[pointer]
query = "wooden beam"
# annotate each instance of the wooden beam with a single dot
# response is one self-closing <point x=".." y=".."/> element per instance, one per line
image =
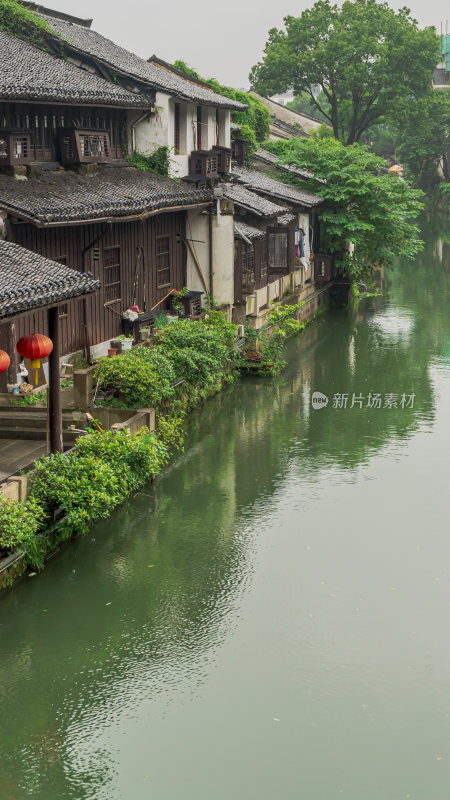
<point x="54" y="394"/>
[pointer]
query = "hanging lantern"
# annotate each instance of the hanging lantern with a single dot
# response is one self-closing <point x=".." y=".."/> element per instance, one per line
<point x="4" y="361"/>
<point x="34" y="347"/>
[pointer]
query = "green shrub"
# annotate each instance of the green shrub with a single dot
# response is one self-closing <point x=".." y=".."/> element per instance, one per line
<point x="19" y="524"/>
<point x="144" y="377"/>
<point x="193" y="350"/>
<point x="99" y="474"/>
<point x="159" y="161"/>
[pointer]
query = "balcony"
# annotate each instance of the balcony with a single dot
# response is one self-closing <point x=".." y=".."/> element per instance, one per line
<point x="14" y="149"/>
<point x="84" y="147"/>
<point x="223" y="159"/>
<point x="203" y="164"/>
<point x="323" y="265"/>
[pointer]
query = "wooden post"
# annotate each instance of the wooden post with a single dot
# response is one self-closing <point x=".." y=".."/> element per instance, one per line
<point x="54" y="394"/>
<point x="8" y="342"/>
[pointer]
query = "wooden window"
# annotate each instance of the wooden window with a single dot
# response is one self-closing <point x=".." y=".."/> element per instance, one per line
<point x="111" y="266"/>
<point x="248" y="267"/>
<point x="67" y="147"/>
<point x="162" y="262"/>
<point x="94" y="145"/>
<point x="177" y="128"/>
<point x="278" y="250"/>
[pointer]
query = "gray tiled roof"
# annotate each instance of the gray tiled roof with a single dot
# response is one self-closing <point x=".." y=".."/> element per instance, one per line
<point x="28" y="280"/>
<point x="65" y="196"/>
<point x="261" y="182"/>
<point x="92" y="43"/>
<point x="251" y="201"/>
<point x="285" y="219"/>
<point x="242" y="229"/>
<point x="31" y="74"/>
<point x="270" y="158"/>
<point x="293" y="131"/>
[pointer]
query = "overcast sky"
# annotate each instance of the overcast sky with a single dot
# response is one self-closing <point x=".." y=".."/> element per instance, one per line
<point x="221" y="40"/>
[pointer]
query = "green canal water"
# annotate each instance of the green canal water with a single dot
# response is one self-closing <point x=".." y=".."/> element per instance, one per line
<point x="269" y="620"/>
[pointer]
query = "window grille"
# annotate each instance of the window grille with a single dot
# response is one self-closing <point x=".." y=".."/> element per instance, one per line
<point x="111" y="266"/>
<point x="68" y="146"/>
<point x="93" y="145"/>
<point x="162" y="262"/>
<point x="277" y="250"/>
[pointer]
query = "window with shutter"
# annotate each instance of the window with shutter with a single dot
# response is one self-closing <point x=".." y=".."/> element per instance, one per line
<point x="277" y="250"/>
<point x="111" y="267"/>
<point x="162" y="262"/>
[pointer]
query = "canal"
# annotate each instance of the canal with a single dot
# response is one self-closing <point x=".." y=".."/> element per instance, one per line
<point x="270" y="619"/>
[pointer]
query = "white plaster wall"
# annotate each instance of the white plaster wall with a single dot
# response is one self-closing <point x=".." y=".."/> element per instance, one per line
<point x="224" y="127"/>
<point x="152" y="132"/>
<point x="157" y="130"/>
<point x="197" y="227"/>
<point x="209" y="114"/>
<point x="223" y="260"/>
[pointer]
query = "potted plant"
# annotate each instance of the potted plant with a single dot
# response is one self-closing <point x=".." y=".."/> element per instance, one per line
<point x="160" y="320"/>
<point x="126" y="343"/>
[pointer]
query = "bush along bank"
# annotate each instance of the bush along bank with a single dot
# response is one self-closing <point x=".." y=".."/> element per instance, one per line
<point x="190" y="361"/>
<point x="264" y="348"/>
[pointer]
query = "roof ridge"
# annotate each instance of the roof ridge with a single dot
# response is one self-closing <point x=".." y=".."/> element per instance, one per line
<point x="50" y="12"/>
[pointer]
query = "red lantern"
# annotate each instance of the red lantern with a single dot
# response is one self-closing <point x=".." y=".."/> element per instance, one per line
<point x="4" y="361"/>
<point x="34" y="347"/>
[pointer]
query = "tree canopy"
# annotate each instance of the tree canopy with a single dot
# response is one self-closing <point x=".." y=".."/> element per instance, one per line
<point x="422" y="128"/>
<point x="363" y="56"/>
<point x="364" y="207"/>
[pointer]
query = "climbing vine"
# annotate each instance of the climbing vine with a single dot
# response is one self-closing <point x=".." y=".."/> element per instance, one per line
<point x="24" y="23"/>
<point x="159" y="161"/>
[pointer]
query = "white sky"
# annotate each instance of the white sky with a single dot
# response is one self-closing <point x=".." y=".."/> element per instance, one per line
<point x="221" y="40"/>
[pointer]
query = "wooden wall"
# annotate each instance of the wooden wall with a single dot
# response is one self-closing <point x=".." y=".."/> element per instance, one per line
<point x="138" y="242"/>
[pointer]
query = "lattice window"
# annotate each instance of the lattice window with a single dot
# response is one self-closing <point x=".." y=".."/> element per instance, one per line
<point x="248" y="267"/>
<point x="93" y="145"/>
<point x="68" y="146"/>
<point x="20" y="147"/>
<point x="111" y="266"/>
<point x="278" y="250"/>
<point x="162" y="262"/>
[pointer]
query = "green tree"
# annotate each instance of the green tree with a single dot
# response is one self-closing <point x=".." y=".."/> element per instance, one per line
<point x="423" y="136"/>
<point x="363" y="55"/>
<point x="303" y="102"/>
<point x="368" y="216"/>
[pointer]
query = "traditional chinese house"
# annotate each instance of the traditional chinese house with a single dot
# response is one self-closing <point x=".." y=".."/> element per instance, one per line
<point x="34" y="293"/>
<point x="277" y="260"/>
<point x="124" y="226"/>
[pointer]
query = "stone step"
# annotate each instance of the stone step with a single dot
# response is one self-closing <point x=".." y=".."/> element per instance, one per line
<point x="35" y="433"/>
